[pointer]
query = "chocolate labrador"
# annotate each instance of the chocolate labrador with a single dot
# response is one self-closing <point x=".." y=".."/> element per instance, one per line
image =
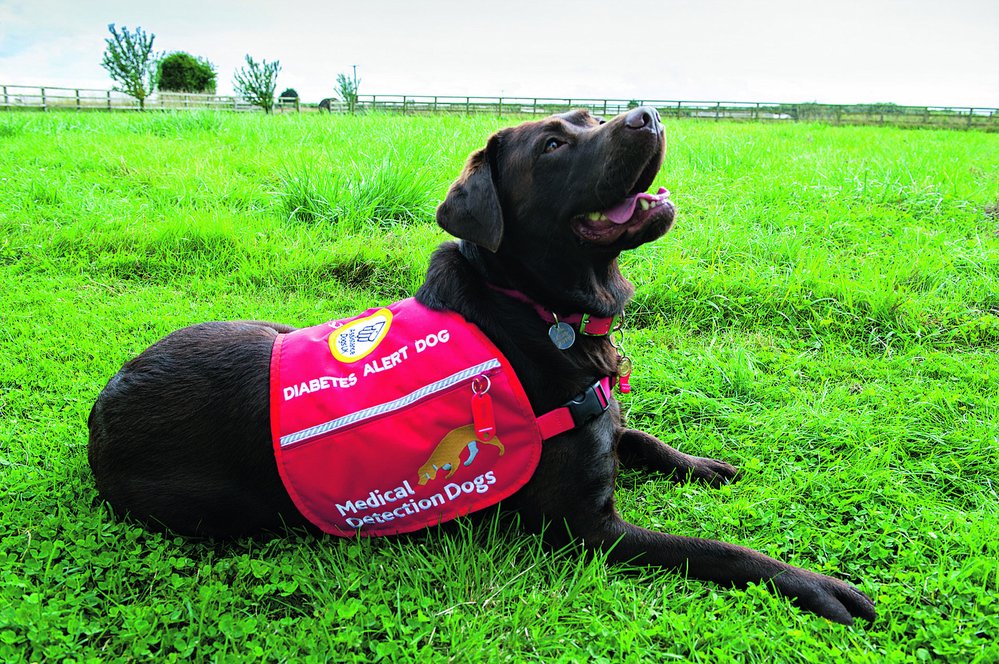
<point x="180" y="436"/>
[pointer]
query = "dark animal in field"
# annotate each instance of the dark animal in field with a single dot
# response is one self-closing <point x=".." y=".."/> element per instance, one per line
<point x="180" y="437"/>
<point x="327" y="104"/>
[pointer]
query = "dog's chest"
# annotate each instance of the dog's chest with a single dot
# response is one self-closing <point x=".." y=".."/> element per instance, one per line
<point x="397" y="419"/>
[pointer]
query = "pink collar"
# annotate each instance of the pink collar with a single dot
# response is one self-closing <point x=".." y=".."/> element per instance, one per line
<point x="589" y="325"/>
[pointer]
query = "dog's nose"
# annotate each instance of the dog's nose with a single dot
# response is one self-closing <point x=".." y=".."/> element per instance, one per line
<point x="642" y="117"/>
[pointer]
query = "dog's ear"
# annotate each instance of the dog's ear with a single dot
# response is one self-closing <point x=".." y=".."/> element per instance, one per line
<point x="471" y="211"/>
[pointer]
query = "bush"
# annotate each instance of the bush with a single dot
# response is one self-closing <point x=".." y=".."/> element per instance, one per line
<point x="290" y="94"/>
<point x="182" y="72"/>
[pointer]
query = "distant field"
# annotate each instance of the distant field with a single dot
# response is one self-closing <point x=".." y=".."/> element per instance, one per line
<point x="824" y="315"/>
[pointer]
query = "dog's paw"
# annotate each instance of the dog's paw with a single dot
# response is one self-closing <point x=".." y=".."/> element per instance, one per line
<point x="825" y="596"/>
<point x="712" y="471"/>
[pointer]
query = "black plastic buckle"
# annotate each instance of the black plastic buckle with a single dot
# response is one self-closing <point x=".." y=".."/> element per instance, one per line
<point x="589" y="405"/>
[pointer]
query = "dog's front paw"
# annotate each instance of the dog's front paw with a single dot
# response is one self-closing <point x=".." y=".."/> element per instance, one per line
<point x="823" y="595"/>
<point x="712" y="471"/>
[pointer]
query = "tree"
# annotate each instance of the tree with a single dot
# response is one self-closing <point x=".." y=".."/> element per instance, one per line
<point x="256" y="82"/>
<point x="130" y="62"/>
<point x="182" y="72"/>
<point x="346" y="90"/>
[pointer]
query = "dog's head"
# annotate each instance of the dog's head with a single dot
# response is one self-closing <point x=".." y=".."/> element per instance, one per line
<point x="569" y="183"/>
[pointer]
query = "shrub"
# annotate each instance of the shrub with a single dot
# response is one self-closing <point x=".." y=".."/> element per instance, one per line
<point x="183" y="72"/>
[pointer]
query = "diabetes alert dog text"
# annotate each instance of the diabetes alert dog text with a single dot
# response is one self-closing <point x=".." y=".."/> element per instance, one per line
<point x="385" y="363"/>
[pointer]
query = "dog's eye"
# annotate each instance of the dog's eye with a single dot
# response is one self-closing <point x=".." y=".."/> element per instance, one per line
<point x="553" y="144"/>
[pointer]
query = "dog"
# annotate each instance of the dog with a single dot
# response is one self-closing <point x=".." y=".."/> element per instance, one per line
<point x="179" y="437"/>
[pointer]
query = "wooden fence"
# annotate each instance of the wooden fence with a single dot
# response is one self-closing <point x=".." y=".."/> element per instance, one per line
<point x="943" y="116"/>
<point x="83" y="99"/>
<point x="80" y="99"/>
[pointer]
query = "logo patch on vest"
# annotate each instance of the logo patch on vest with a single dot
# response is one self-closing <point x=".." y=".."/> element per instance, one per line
<point x="359" y="338"/>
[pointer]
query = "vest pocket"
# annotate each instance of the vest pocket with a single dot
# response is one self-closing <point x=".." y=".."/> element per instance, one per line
<point x="398" y="406"/>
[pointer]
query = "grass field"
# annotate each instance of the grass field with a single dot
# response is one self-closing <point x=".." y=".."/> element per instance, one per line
<point x="824" y="315"/>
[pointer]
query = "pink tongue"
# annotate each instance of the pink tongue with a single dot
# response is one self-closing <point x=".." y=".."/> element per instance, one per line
<point x="623" y="211"/>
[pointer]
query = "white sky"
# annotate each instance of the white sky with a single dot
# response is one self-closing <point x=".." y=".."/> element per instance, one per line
<point x="936" y="52"/>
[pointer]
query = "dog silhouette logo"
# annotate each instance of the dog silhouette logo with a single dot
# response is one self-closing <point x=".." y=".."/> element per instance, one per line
<point x="447" y="454"/>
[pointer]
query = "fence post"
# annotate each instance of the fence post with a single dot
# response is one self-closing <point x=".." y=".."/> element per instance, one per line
<point x="468" y="103"/>
<point x="109" y="100"/>
<point x="500" y="107"/>
<point x="435" y="103"/>
<point x="605" y="107"/>
<point x="717" y="110"/>
<point x="77" y="99"/>
<point x="404" y="104"/>
<point x="534" y="106"/>
<point x="678" y="109"/>
<point x="44" y="107"/>
<point x="5" y="100"/>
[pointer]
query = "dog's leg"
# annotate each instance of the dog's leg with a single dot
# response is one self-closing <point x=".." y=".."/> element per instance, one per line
<point x="729" y="564"/>
<point x="569" y="500"/>
<point x="637" y="448"/>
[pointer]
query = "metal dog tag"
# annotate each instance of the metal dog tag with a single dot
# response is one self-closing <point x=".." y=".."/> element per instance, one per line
<point x="562" y="335"/>
<point x="624" y="375"/>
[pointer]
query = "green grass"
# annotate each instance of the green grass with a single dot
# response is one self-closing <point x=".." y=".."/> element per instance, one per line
<point x="824" y="315"/>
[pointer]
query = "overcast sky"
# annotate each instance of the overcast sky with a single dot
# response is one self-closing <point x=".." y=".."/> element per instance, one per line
<point x="936" y="52"/>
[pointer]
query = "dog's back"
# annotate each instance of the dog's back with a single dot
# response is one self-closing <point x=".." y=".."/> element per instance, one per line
<point x="209" y="471"/>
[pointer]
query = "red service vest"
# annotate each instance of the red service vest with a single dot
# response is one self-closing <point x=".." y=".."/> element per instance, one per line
<point x="397" y="419"/>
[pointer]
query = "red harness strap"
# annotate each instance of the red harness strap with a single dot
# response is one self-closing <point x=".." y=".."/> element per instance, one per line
<point x="592" y="403"/>
<point x="596" y="398"/>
